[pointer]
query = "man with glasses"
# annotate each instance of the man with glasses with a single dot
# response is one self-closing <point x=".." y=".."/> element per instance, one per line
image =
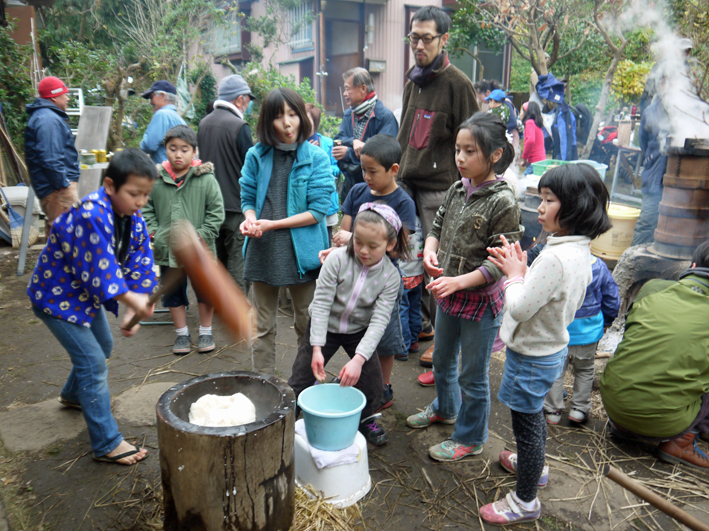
<point x="437" y="99"/>
<point x="366" y="117"/>
<point x="223" y="139"/>
<point x="163" y="96"/>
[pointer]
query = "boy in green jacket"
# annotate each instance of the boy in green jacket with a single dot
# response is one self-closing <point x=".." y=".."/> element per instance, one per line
<point x="185" y="189"/>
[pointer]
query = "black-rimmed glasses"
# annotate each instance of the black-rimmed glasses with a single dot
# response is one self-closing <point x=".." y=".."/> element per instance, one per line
<point x="427" y="39"/>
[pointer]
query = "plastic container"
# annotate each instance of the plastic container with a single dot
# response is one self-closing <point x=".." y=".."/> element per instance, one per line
<point x="611" y="244"/>
<point x="331" y="414"/>
<point x="543" y="165"/>
<point x="341" y="485"/>
<point x="600" y="168"/>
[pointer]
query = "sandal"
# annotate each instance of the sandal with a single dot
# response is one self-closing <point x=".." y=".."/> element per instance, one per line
<point x="66" y="403"/>
<point x="116" y="458"/>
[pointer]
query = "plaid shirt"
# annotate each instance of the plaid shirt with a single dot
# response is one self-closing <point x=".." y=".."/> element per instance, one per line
<point x="472" y="304"/>
<point x="412" y="282"/>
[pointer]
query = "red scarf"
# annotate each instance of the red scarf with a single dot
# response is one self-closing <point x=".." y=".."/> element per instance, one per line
<point x="171" y="173"/>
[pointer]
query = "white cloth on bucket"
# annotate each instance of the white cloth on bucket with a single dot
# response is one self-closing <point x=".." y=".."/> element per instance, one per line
<point x="325" y="459"/>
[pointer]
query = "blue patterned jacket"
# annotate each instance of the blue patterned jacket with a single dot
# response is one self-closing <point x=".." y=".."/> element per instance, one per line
<point x="78" y="271"/>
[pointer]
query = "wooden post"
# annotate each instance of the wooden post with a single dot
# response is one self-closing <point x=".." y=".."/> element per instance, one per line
<point x="655" y="500"/>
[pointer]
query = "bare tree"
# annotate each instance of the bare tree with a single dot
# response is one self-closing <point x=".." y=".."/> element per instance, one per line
<point x="605" y="16"/>
<point x="535" y="28"/>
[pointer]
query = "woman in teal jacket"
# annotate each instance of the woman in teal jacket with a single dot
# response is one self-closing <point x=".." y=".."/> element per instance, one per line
<point x="286" y="184"/>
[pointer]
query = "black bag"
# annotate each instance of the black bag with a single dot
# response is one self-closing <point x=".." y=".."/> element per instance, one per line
<point x="584" y="121"/>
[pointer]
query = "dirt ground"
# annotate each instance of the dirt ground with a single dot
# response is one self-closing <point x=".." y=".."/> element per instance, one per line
<point x="49" y="481"/>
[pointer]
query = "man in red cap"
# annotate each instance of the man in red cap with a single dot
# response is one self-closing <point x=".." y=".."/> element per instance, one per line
<point x="52" y="159"/>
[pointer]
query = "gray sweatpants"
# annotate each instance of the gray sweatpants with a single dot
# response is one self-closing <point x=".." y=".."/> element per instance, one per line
<point x="583" y="357"/>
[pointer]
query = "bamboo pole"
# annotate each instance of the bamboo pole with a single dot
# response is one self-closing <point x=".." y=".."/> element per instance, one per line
<point x="659" y="502"/>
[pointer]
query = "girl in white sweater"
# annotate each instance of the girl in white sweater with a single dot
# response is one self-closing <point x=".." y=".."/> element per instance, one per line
<point x="540" y="303"/>
<point x="353" y="300"/>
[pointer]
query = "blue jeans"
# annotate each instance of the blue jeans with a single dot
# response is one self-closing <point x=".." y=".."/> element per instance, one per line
<point x="647" y="222"/>
<point x="528" y="170"/>
<point x="88" y="348"/>
<point x="391" y="342"/>
<point x="410" y="313"/>
<point x="528" y="379"/>
<point x="465" y="395"/>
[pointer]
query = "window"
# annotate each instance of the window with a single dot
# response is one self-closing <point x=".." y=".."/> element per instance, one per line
<point x="227" y="37"/>
<point x="300" y="21"/>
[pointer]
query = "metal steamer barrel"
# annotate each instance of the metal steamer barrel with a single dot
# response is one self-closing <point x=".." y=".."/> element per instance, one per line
<point x="239" y="478"/>
<point x="683" y="222"/>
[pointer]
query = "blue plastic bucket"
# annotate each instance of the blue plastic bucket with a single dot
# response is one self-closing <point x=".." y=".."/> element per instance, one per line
<point x="600" y="168"/>
<point x="331" y="414"/>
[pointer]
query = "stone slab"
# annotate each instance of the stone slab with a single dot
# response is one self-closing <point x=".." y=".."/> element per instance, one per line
<point x="33" y="427"/>
<point x="136" y="406"/>
<point x="94" y="127"/>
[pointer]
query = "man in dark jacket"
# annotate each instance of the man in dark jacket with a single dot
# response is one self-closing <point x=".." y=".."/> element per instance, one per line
<point x="437" y="99"/>
<point x="52" y="159"/>
<point x="654" y="119"/>
<point x="223" y="139"/>
<point x="366" y="117"/>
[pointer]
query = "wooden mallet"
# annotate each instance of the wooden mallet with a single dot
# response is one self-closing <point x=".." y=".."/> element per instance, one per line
<point x="209" y="279"/>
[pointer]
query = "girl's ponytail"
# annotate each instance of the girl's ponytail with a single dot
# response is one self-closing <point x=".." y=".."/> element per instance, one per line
<point x="507" y="158"/>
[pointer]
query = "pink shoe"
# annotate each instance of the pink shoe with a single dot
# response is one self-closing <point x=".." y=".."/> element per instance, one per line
<point x="507" y="511"/>
<point x="508" y="461"/>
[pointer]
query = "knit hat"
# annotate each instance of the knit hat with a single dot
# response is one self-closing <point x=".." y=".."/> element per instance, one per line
<point x="232" y="87"/>
<point x="51" y="87"/>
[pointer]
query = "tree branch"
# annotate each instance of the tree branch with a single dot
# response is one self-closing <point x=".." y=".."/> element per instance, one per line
<point x="516" y="46"/>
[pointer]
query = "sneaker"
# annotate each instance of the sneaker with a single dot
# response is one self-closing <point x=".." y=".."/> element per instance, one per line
<point x="576" y="415"/>
<point x="450" y="450"/>
<point x="414" y="347"/>
<point x="426" y="379"/>
<point x="404" y="356"/>
<point x="427" y="334"/>
<point x="183" y="345"/>
<point x="206" y="343"/>
<point x="507" y="511"/>
<point x="508" y="461"/>
<point x="426" y="418"/>
<point x="553" y="417"/>
<point x="372" y="432"/>
<point x="387" y="398"/>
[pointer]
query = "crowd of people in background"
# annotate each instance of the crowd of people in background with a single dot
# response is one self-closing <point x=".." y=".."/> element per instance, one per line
<point x="426" y="248"/>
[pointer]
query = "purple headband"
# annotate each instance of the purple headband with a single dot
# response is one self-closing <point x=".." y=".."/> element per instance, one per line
<point x="384" y="211"/>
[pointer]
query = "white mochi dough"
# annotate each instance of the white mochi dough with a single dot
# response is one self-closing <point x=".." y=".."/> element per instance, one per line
<point x="220" y="411"/>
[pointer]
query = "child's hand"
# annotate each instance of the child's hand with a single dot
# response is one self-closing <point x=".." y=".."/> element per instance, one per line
<point x="322" y="255"/>
<point x="511" y="259"/>
<point x="349" y="375"/>
<point x="341" y="238"/>
<point x="443" y="286"/>
<point x="318" y="364"/>
<point x="136" y="303"/>
<point x="248" y="228"/>
<point x="430" y="264"/>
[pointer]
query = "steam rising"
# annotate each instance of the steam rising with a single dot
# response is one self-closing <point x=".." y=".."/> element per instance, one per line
<point x="688" y="115"/>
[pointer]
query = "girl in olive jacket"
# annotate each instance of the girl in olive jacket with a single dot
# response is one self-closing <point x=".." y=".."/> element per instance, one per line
<point x="477" y="210"/>
<point x="185" y="189"/>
